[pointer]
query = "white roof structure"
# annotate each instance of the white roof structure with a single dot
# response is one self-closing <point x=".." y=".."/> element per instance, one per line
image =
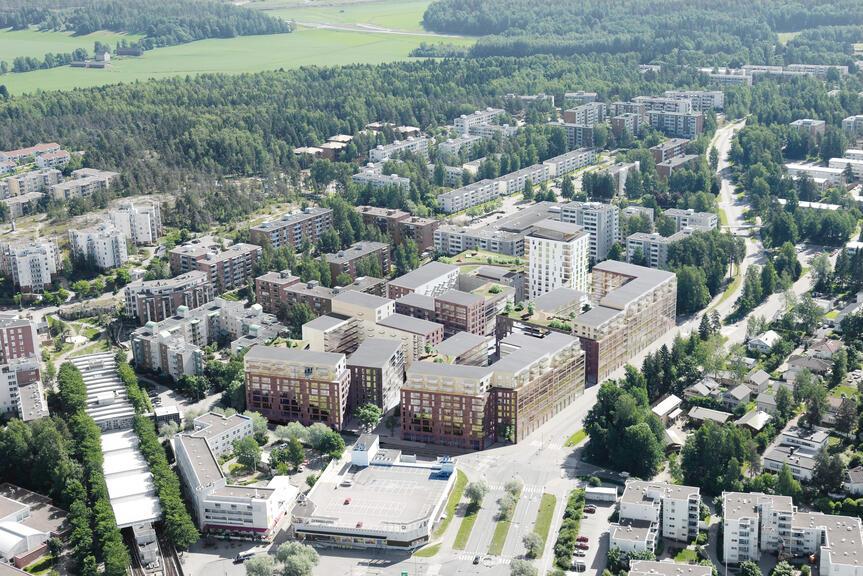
<point x="667" y="406"/>
<point x="130" y="484"/>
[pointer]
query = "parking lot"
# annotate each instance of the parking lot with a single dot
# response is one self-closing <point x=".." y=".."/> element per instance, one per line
<point x="595" y="527"/>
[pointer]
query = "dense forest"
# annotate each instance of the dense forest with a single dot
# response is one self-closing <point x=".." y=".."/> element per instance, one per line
<point x="162" y="23"/>
<point x="677" y="31"/>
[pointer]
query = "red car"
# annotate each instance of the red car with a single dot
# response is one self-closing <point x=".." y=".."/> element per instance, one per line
<point x="582" y="545"/>
<point x="582" y="539"/>
<point x="347" y="501"/>
<point x="590" y="509"/>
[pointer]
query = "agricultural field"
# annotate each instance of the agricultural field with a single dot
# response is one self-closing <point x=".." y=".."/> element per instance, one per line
<point x="15" y="43"/>
<point x="305" y="47"/>
<point x="403" y="15"/>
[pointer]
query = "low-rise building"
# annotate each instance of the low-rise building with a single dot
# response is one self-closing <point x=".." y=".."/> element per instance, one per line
<point x="287" y="385"/>
<point x="414" y="145"/>
<point x="699" y="414"/>
<point x="29" y="182"/>
<point x="223" y="509"/>
<point x="669" y="149"/>
<point x="222" y="431"/>
<point x="672" y="165"/>
<point x="58" y="158"/>
<point x="736" y="396"/>
<point x="764" y="342"/>
<point x="814" y="128"/>
<point x="346" y="261"/>
<point x="400" y="225"/>
<point x="28" y="521"/>
<point x="375" y="498"/>
<point x="689" y="218"/>
<point x="465" y="122"/>
<point x="294" y="229"/>
<point x="102" y="246"/>
<point x="854" y="481"/>
<point x="376" y="179"/>
<point x="432" y="279"/>
<point x="157" y="300"/>
<point x="84" y="182"/>
<point x="633" y="536"/>
<point x="652" y="568"/>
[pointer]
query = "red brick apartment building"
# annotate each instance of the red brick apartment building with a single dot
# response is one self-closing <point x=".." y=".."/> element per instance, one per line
<point x="345" y="261"/>
<point x="294" y="229"/>
<point x="288" y="385"/>
<point x="401" y="225"/>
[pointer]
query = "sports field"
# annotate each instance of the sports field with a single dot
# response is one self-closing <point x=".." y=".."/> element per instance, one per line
<point x="304" y="47"/>
<point x="15" y="43"/>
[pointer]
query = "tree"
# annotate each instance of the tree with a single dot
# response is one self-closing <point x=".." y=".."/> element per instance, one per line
<point x="260" y="565"/>
<point x="840" y="368"/>
<point x="507" y="502"/>
<point x="786" y="484"/>
<point x="822" y="272"/>
<point x="816" y="404"/>
<point x="808" y="313"/>
<point x="55" y="548"/>
<point x="784" y="403"/>
<point x="750" y="569"/>
<point x="297" y="559"/>
<point x="369" y="415"/>
<point x="293" y="430"/>
<point x="527" y="193"/>
<point x="829" y="472"/>
<point x="248" y="452"/>
<point x="300" y="314"/>
<point x="122" y="277"/>
<point x="317" y="434"/>
<point x="567" y="188"/>
<point x="513" y="486"/>
<point x="714" y="158"/>
<point x="519" y="567"/>
<point x="783" y="569"/>
<point x="332" y="444"/>
<point x="296" y="455"/>
<point x="476" y="491"/>
<point x="769" y="279"/>
<point x="533" y="544"/>
<point x="259" y="425"/>
<point x="846" y="417"/>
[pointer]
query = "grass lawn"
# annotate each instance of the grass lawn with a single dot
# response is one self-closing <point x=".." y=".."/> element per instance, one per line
<point x="500" y="532"/>
<point x="401" y="15"/>
<point x="90" y="332"/>
<point x="452" y="503"/>
<point x="466" y="526"/>
<point x="100" y="346"/>
<point x="735" y="283"/>
<point x="832" y="314"/>
<point x="686" y="556"/>
<point x="240" y="55"/>
<point x="544" y="516"/>
<point x="14" y="43"/>
<point x="849" y="391"/>
<point x="428" y="551"/>
<point x="43" y="566"/>
<point x="576" y="438"/>
<point x="723" y="218"/>
<point x="784" y="37"/>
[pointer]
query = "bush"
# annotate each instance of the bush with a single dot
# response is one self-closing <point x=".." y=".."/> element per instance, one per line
<point x="566" y="538"/>
<point x="594" y="481"/>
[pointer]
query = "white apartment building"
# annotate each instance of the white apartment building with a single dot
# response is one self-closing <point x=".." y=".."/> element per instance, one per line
<point x="675" y="509"/>
<point x="601" y="221"/>
<point x="754" y="522"/>
<point x="842" y="163"/>
<point x="661" y="104"/>
<point x="702" y="100"/>
<point x="377" y="180"/>
<point x="432" y="279"/>
<point x="141" y="223"/>
<point x="465" y="122"/>
<point x="570" y="162"/>
<point x="221" y="508"/>
<point x="29" y="182"/>
<point x="492" y="130"/>
<point x="21" y="391"/>
<point x="654" y="246"/>
<point x="454" y="145"/>
<point x="515" y="181"/>
<point x="52" y="159"/>
<point x="104" y="245"/>
<point x="557" y="255"/>
<point x="831" y="175"/>
<point x="853" y="125"/>
<point x="691" y="219"/>
<point x="83" y="183"/>
<point x="30" y="264"/>
<point x="470" y="195"/>
<point x="415" y="145"/>
<point x="220" y="431"/>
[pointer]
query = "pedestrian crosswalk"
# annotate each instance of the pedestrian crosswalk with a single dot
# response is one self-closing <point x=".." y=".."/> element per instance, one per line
<point x="486" y="559"/>
<point x="527" y="489"/>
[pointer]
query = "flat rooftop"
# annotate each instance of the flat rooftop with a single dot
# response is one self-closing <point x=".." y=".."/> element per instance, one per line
<point x="637" y="491"/>
<point x="374" y="352"/>
<point x="643" y="280"/>
<point x="381" y="497"/>
<point x="460" y="343"/>
<point x="737" y="505"/>
<point x="410" y="324"/>
<point x="653" y="568"/>
<point x="212" y="424"/>
<point x="415" y="300"/>
<point x="423" y="275"/>
<point x="361" y="299"/>
<point x="292" y="355"/>
<point x="631" y="530"/>
<point x="206" y="467"/>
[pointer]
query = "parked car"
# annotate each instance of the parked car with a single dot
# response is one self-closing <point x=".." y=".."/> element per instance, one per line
<point x="580" y="553"/>
<point x="242" y="557"/>
<point x="591" y="509"/>
<point x="347" y="501"/>
<point x="582" y="545"/>
<point x="582" y="539"/>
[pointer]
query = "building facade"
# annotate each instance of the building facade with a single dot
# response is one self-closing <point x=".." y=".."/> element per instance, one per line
<point x="557" y="255"/>
<point x="140" y="223"/>
<point x="294" y="229"/>
<point x="104" y="246"/>
<point x="31" y="265"/>
<point x="157" y="300"/>
<point x="601" y="221"/>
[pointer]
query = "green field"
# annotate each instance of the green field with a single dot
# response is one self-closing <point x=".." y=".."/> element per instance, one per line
<point x="14" y="43"/>
<point x="466" y="527"/>
<point x="402" y="15"/>
<point x="544" y="516"/>
<point x="305" y="47"/>
<point x="452" y="503"/>
<point x="576" y="438"/>
<point x="784" y="37"/>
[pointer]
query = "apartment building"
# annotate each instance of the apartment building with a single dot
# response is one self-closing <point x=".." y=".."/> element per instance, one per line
<point x="819" y="70"/>
<point x="366" y="177"/>
<point x="332" y="333"/>
<point x="414" y="145"/>
<point x="222" y="431"/>
<point x="570" y="162"/>
<point x="814" y="128"/>
<point x="576" y="134"/>
<point x="84" y="182"/>
<point x="505" y="236"/>
<point x="401" y="225"/>
<point x="618" y="108"/>
<point x="465" y="122"/>
<point x="653" y="246"/>
<point x="141" y="223"/>
<point x="464" y="348"/>
<point x="377" y="371"/>
<point x="493" y="130"/>
<point x="855" y="164"/>
<point x="829" y="175"/>
<point x="226" y="268"/>
<point x="620" y="173"/>
<point x="288" y="385"/>
<point x="588" y="114"/>
<point x="454" y="145"/>
<point x="601" y="221"/>
<point x="29" y="182"/>
<point x="515" y="181"/>
<point x="729" y="78"/>
<point x="626" y="123"/>
<point x="580" y="97"/>
<point x="52" y="159"/>
<point x="672" y="165"/>
<point x="677" y="124"/>
<point x="662" y="104"/>
<point x="702" y="100"/>
<point x="689" y="218"/>
<point x="853" y="126"/>
<point x="21" y="393"/>
<point x="430" y="279"/>
<point x="469" y="407"/>
<point x="754" y="523"/>
<point x="222" y="509"/>
<point x="669" y="149"/>
<point x="173" y="347"/>
<point x="460" y="311"/>
<point x="275" y="289"/>
<point x="103" y="246"/>
<point x="345" y="261"/>
<point x="473" y="194"/>
<point x="294" y="229"/>
<point x="31" y="265"/>
<point x="672" y="508"/>
<point x="632" y="307"/>
<point x="157" y="300"/>
<point x="30" y="151"/>
<point x="557" y="255"/>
